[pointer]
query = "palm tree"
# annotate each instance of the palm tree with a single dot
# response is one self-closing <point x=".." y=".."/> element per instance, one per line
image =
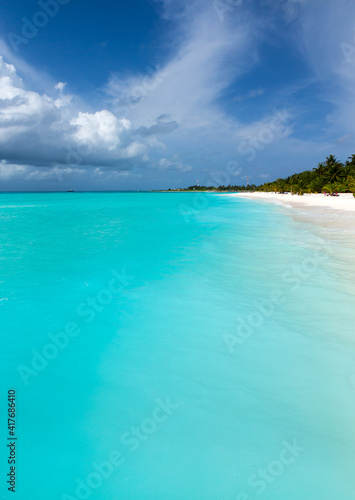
<point x="350" y="184"/>
<point x="333" y="169"/>
<point x="349" y="168"/>
<point x="280" y="185"/>
<point x="328" y="188"/>
<point x="339" y="187"/>
<point x="320" y="169"/>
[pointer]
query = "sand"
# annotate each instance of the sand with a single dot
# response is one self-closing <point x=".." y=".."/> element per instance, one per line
<point x="335" y="215"/>
<point x="344" y="201"/>
<point x="330" y="217"/>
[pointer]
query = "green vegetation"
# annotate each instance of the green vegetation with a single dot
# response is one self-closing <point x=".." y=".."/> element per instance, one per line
<point x="331" y="176"/>
<point x="214" y="189"/>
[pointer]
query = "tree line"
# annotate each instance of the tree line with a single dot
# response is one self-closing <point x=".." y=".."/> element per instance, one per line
<point x="331" y="176"/>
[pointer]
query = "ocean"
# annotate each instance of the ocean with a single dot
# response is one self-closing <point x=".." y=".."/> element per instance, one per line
<point x="174" y="346"/>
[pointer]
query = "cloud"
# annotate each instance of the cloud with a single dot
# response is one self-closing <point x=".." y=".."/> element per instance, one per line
<point x="165" y="164"/>
<point x="8" y="171"/>
<point x="186" y="93"/>
<point x="20" y="110"/>
<point x="28" y="177"/>
<point x="173" y="117"/>
<point x="147" y="113"/>
<point x="188" y="87"/>
<point x="158" y="128"/>
<point x="60" y="86"/>
<point x="52" y="130"/>
<point x="323" y="32"/>
<point x="100" y="128"/>
<point x="251" y="94"/>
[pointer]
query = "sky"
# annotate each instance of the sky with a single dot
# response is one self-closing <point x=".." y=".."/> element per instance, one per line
<point x="157" y="94"/>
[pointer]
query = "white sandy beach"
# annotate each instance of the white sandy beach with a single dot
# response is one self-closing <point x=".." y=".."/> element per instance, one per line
<point x="344" y="201"/>
<point x="331" y="217"/>
<point x="336" y="214"/>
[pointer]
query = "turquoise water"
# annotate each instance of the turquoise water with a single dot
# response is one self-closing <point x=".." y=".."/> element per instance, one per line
<point x="174" y="346"/>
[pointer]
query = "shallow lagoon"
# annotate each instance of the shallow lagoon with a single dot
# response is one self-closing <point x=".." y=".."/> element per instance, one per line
<point x="203" y="349"/>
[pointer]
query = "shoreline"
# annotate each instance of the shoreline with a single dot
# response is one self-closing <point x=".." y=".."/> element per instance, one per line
<point x="343" y="202"/>
<point x="332" y="217"/>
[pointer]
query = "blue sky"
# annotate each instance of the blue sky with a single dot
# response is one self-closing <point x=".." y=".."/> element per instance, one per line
<point x="152" y="94"/>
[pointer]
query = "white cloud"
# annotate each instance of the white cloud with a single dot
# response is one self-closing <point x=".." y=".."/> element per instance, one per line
<point x="178" y="105"/>
<point x="100" y="128"/>
<point x="174" y="118"/>
<point x="8" y="171"/>
<point x="175" y="164"/>
<point x="173" y="110"/>
<point x="188" y="87"/>
<point x="60" y="86"/>
<point x="53" y="129"/>
<point x="20" y="109"/>
<point x="324" y="29"/>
